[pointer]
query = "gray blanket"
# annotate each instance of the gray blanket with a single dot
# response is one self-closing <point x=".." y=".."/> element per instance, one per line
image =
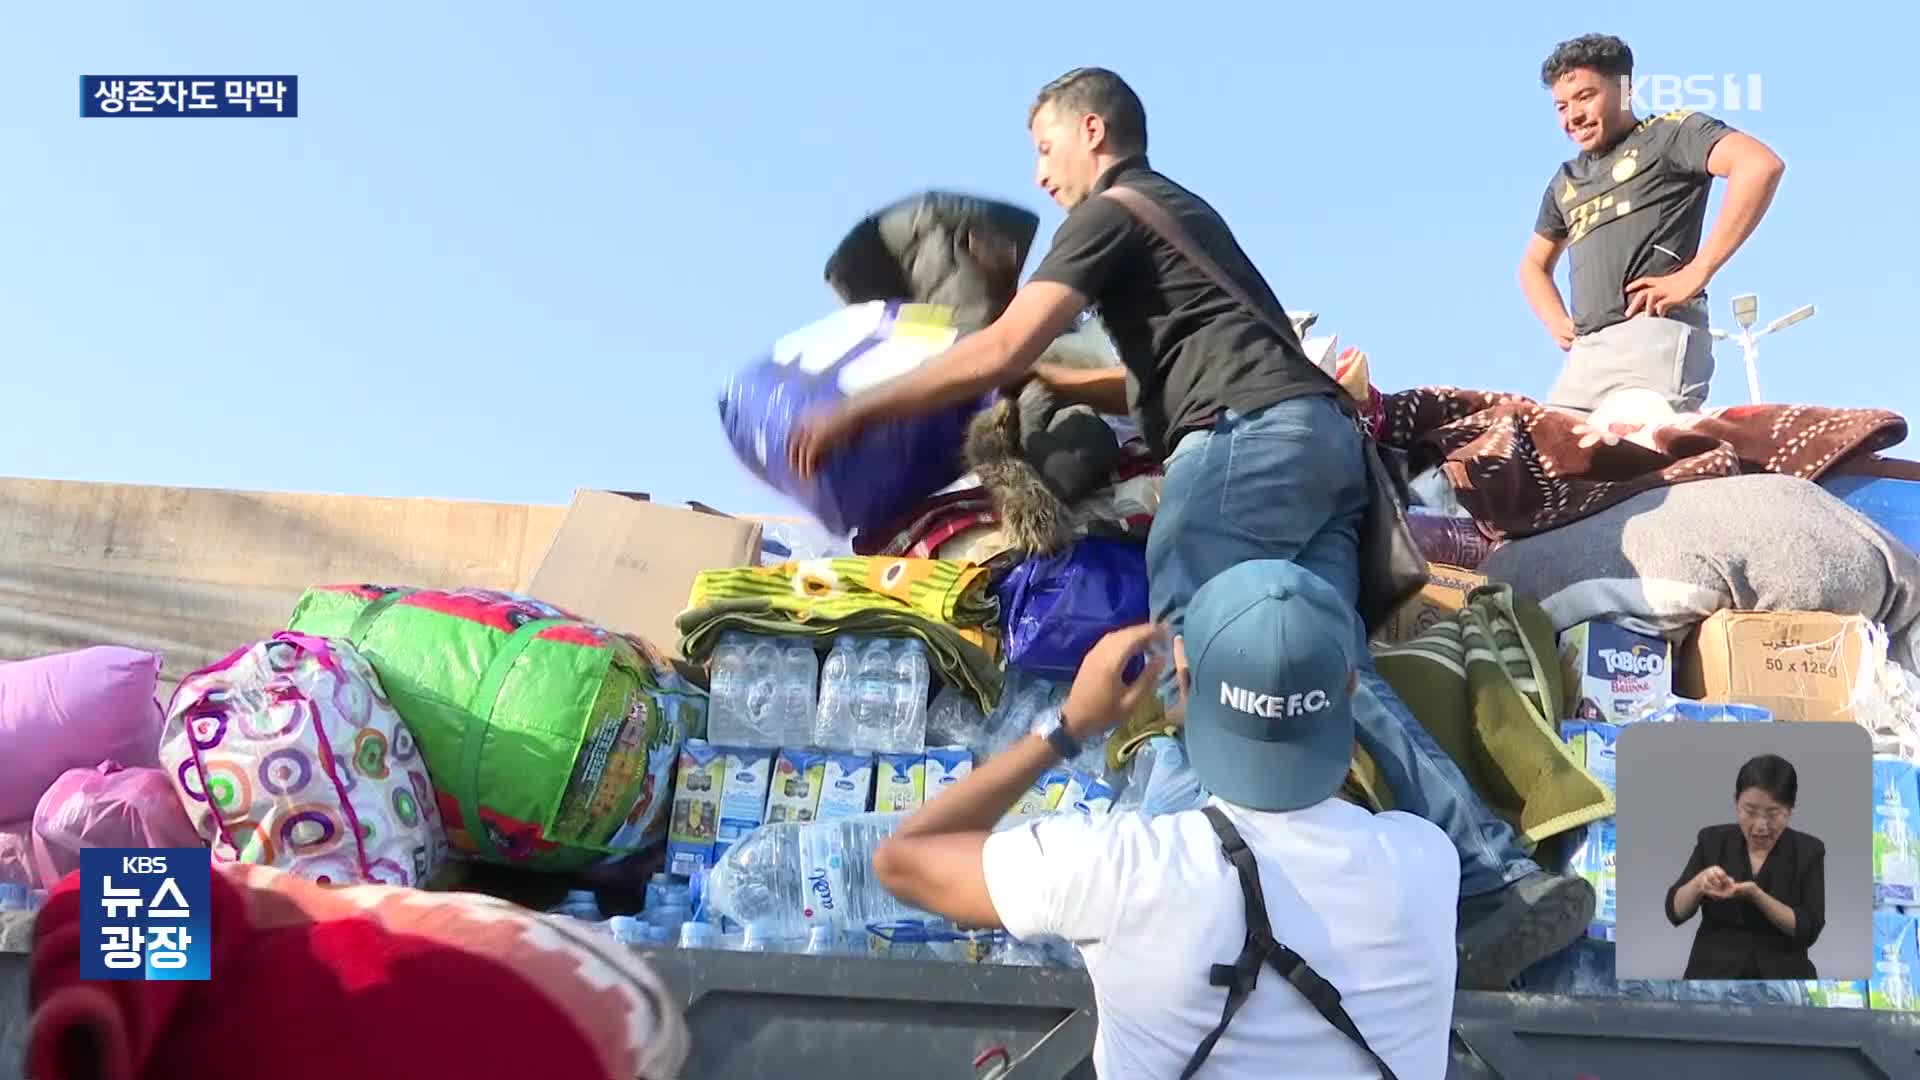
<point x="1667" y="559"/>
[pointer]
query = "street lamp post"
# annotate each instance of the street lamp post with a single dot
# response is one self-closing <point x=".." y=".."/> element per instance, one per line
<point x="1746" y="307"/>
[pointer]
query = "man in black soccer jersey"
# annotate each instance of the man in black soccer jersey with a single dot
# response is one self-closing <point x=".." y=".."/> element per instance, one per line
<point x="1630" y="208"/>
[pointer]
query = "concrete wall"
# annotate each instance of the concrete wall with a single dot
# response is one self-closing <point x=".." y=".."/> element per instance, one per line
<point x="194" y="573"/>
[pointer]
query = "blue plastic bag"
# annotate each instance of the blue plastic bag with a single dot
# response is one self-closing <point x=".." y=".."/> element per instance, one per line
<point x="1058" y="607"/>
<point x="886" y="470"/>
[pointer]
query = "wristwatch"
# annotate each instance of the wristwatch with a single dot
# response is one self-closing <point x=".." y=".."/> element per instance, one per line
<point x="1054" y="730"/>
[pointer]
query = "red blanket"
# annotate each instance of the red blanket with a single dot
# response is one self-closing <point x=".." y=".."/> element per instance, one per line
<point x="312" y="982"/>
<point x="1521" y="468"/>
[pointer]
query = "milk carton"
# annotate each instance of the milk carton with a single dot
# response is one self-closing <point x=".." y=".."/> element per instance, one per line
<point x="695" y="822"/>
<point x="846" y="785"/>
<point x="899" y="782"/>
<point x="1613" y="673"/>
<point x="1896" y="961"/>
<point x="1086" y="794"/>
<point x="743" y="797"/>
<point x="1896" y="855"/>
<point x="1592" y="745"/>
<point x="1827" y="994"/>
<point x="1711" y="712"/>
<point x="1594" y="860"/>
<point x="945" y="766"/>
<point x="794" y="794"/>
<point x="1044" y="796"/>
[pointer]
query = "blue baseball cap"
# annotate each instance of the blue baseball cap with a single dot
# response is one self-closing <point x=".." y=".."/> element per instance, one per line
<point x="1270" y="658"/>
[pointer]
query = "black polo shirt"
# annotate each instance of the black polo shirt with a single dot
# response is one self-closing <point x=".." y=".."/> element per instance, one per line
<point x="1189" y="348"/>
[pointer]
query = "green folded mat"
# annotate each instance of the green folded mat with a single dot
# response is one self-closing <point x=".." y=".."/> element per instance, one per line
<point x="549" y="740"/>
<point x="1486" y="685"/>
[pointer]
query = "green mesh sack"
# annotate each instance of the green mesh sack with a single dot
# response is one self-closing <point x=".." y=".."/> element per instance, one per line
<point x="549" y="740"/>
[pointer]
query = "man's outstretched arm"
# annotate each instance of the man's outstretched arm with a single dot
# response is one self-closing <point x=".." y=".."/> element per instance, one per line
<point x="994" y="356"/>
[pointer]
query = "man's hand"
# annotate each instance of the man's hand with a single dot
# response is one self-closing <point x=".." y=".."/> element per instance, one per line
<point x="1657" y="295"/>
<point x="1101" y="697"/>
<point x="818" y="435"/>
<point x="1562" y="331"/>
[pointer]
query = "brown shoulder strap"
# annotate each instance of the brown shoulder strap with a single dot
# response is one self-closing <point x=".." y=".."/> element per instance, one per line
<point x="1153" y="217"/>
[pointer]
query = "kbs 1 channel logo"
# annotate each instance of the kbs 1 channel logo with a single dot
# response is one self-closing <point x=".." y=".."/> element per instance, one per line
<point x="144" y="914"/>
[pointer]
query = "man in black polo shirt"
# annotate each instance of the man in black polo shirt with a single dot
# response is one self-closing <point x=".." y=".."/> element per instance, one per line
<point x="1261" y="461"/>
<point x="1630" y="208"/>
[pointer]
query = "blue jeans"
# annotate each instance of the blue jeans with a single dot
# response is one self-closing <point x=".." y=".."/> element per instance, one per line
<point x="1290" y="482"/>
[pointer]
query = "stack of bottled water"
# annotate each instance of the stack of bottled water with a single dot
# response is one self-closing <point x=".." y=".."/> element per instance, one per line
<point x="763" y="690"/>
<point x="873" y="696"/>
<point x="809" y="886"/>
<point x="1028" y="703"/>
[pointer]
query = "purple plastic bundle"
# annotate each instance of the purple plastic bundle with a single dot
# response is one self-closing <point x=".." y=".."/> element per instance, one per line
<point x="886" y="470"/>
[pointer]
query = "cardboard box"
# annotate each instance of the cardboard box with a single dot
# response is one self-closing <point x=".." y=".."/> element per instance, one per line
<point x="1801" y="665"/>
<point x="1444" y="596"/>
<point x="1612" y="673"/>
<point x="628" y="564"/>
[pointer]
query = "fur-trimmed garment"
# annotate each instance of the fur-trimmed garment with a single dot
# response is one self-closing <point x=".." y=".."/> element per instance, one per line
<point x="1035" y="456"/>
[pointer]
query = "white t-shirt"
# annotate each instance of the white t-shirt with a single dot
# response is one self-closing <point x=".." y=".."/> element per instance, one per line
<point x="1366" y="899"/>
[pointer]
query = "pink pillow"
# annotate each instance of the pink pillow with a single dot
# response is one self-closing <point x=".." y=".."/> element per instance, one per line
<point x="74" y="710"/>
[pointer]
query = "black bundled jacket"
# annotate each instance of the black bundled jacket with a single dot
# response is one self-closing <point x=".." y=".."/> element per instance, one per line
<point x="966" y="252"/>
<point x="937" y="247"/>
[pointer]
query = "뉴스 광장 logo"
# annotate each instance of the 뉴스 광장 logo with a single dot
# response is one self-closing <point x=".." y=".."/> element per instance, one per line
<point x="144" y="913"/>
<point x="1273" y="706"/>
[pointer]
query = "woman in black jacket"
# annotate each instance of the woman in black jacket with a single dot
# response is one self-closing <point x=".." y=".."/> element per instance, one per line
<point x="1760" y="887"/>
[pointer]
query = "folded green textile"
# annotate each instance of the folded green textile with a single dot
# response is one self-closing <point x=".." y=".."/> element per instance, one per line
<point x="960" y="662"/>
<point x="1486" y="685"/>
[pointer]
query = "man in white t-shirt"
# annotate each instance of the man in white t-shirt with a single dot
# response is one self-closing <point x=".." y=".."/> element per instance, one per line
<point x="1366" y="900"/>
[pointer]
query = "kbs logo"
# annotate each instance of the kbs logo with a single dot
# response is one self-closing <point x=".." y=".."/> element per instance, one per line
<point x="1638" y="660"/>
<point x="1705" y="93"/>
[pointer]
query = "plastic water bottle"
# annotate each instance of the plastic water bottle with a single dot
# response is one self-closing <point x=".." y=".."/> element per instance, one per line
<point x="1893" y="980"/>
<point x="873" y="697"/>
<point x="789" y="877"/>
<point x="822" y="941"/>
<point x="13" y="897"/>
<point x="627" y="930"/>
<point x="699" y="935"/>
<point x="911" y="674"/>
<point x="954" y="719"/>
<point x="799" y="686"/>
<point x="833" y="719"/>
<point x="1897" y="867"/>
<point x="579" y="904"/>
<point x="657" y="887"/>
<point x="727" y="696"/>
<point x="764" y="699"/>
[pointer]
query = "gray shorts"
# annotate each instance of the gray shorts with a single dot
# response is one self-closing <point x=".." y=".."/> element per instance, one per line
<point x="1672" y="357"/>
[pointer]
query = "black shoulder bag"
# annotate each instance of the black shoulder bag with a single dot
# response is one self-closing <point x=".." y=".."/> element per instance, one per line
<point x="1392" y="567"/>
<point x="1260" y="950"/>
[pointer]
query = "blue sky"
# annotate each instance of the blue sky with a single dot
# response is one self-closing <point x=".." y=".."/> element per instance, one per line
<point x="508" y="250"/>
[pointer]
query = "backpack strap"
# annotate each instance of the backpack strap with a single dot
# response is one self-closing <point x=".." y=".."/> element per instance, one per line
<point x="1260" y="949"/>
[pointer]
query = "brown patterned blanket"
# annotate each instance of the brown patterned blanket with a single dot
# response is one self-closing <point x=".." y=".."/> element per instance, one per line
<point x="1520" y="468"/>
